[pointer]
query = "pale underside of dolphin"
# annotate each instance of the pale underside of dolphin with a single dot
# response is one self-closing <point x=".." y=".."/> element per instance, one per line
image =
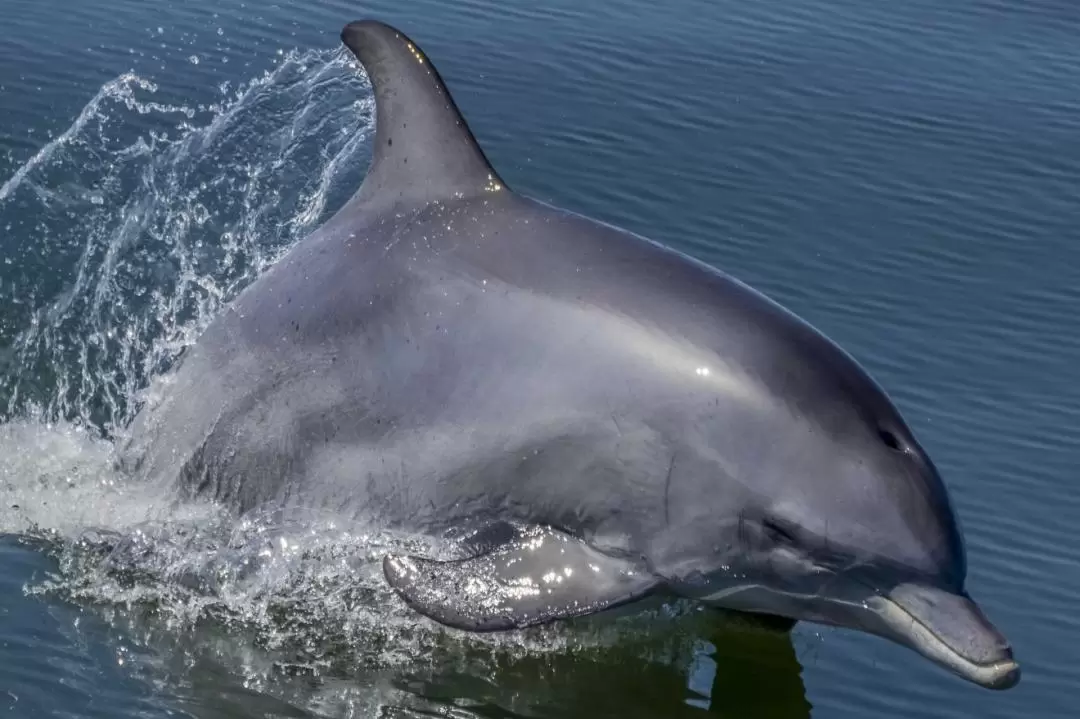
<point x="600" y="417"/>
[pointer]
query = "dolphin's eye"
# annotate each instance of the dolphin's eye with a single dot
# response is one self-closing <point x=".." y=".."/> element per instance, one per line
<point x="890" y="440"/>
<point x="777" y="532"/>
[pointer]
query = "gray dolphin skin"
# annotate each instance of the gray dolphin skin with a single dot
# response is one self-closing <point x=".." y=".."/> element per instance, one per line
<point x="597" y="417"/>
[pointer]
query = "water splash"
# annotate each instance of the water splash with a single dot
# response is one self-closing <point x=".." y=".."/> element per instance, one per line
<point x="129" y="230"/>
<point x="126" y="234"/>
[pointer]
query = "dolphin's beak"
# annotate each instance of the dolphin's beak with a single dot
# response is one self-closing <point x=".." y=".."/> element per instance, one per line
<point x="948" y="629"/>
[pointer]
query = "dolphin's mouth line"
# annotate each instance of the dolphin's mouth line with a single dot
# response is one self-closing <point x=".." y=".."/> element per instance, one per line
<point x="999" y="674"/>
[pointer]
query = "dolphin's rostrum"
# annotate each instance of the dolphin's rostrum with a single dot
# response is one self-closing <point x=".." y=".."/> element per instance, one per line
<point x="600" y="416"/>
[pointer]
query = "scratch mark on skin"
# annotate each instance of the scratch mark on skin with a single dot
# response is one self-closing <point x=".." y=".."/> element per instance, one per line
<point x="667" y="491"/>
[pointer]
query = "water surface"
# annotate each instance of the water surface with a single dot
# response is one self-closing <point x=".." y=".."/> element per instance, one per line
<point x="903" y="175"/>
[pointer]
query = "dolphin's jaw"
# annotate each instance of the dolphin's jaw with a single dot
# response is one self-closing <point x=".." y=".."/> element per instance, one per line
<point x="894" y="616"/>
<point x="905" y="627"/>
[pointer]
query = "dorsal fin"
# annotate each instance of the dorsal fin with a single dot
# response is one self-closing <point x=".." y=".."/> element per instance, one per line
<point x="424" y="150"/>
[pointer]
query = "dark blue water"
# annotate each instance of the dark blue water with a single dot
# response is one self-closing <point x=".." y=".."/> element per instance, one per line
<point x="904" y="175"/>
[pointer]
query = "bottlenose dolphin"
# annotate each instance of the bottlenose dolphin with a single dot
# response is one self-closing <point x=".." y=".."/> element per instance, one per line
<point x="599" y="416"/>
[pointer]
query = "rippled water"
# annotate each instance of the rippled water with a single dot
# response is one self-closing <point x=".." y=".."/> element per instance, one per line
<point x="903" y="175"/>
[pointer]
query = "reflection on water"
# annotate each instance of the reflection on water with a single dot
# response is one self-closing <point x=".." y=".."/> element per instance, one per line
<point x="722" y="665"/>
<point x="657" y="660"/>
<point x="707" y="663"/>
<point x="757" y="674"/>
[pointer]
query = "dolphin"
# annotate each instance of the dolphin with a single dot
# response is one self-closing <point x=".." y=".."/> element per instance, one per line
<point x="594" y="416"/>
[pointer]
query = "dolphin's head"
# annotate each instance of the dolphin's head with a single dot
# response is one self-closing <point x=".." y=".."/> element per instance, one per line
<point x="812" y="499"/>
